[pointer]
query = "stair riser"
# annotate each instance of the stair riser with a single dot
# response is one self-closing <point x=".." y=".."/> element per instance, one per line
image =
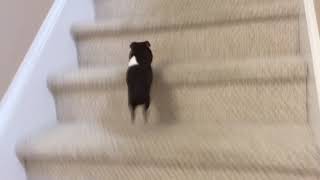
<point x="250" y="39"/>
<point x="166" y="12"/>
<point x="98" y="171"/>
<point x="264" y="102"/>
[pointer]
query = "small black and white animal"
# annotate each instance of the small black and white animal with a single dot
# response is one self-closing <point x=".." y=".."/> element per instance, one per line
<point x="139" y="77"/>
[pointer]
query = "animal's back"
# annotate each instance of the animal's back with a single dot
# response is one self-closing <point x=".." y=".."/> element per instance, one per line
<point x="139" y="80"/>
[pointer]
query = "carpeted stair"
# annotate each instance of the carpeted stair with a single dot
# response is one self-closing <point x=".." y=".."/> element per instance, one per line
<point x="229" y="99"/>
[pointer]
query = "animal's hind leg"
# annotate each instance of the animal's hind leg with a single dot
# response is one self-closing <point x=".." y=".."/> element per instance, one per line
<point x="146" y="107"/>
<point x="132" y="111"/>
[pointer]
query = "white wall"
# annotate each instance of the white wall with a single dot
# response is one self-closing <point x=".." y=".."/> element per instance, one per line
<point x="20" y="21"/>
<point x="28" y="106"/>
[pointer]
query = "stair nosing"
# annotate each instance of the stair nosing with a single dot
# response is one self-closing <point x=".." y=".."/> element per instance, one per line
<point x="261" y="71"/>
<point x="27" y="152"/>
<point x="114" y="28"/>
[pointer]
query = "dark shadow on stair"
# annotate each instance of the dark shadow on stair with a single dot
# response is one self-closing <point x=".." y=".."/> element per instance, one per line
<point x="163" y="100"/>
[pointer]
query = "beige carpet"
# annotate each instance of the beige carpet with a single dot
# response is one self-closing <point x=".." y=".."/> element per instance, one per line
<point x="102" y="45"/>
<point x="228" y="99"/>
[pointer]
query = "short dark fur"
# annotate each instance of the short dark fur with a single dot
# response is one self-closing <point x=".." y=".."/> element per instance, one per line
<point x="139" y="77"/>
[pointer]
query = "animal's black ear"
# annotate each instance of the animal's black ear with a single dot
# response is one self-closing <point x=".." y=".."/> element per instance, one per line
<point x="147" y="43"/>
<point x="133" y="44"/>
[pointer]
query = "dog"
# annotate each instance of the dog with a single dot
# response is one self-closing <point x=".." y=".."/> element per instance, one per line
<point x="139" y="77"/>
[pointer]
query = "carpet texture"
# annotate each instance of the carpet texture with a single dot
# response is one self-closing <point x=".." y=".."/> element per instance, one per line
<point x="67" y="170"/>
<point x="166" y="12"/>
<point x="270" y="90"/>
<point x="252" y="39"/>
<point x="206" y="144"/>
<point x="229" y="98"/>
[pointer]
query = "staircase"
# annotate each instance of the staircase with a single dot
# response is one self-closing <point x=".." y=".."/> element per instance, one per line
<point x="229" y="99"/>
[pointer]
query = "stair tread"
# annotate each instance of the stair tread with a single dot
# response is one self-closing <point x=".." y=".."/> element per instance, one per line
<point x="146" y="15"/>
<point x="190" y="148"/>
<point x="285" y="68"/>
<point x="238" y="144"/>
<point x="79" y="170"/>
<point x="101" y="46"/>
